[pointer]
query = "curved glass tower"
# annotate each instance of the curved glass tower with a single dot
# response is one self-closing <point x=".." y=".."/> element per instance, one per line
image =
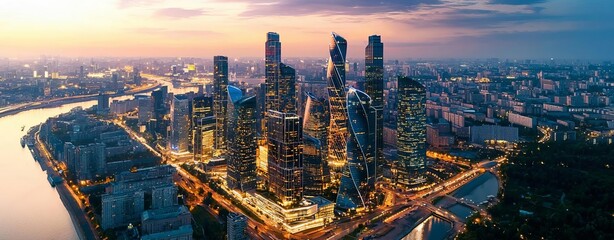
<point x="337" y="101"/>
<point x="359" y="174"/>
<point x="315" y="132"/>
<point x="241" y="137"/>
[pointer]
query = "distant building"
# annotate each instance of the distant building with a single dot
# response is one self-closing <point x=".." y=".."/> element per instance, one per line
<point x="480" y="134"/>
<point x="236" y="224"/>
<point x="103" y="104"/>
<point x="411" y="133"/>
<point x="521" y="120"/>
<point x="145" y="108"/>
<point x="180" y="124"/>
<point x="241" y="157"/>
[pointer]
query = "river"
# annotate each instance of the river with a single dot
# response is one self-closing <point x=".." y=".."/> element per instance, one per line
<point x="29" y="207"/>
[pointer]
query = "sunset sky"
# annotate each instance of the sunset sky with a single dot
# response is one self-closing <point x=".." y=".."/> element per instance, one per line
<point x="578" y="29"/>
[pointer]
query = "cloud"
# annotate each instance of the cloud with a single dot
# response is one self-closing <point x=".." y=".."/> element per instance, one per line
<point x="262" y="8"/>
<point x="517" y="2"/>
<point x="173" y="32"/>
<point x="136" y="3"/>
<point x="178" y="13"/>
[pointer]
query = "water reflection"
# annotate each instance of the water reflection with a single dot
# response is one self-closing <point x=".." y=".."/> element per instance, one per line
<point x="433" y="228"/>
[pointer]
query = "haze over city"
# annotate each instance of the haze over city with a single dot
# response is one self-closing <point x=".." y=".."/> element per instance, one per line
<point x="569" y="29"/>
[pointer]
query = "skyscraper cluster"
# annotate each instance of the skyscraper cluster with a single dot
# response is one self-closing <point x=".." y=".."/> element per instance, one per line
<point x="337" y="141"/>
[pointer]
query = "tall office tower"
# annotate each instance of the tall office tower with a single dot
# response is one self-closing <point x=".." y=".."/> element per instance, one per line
<point x="137" y="77"/>
<point x="203" y="128"/>
<point x="241" y="157"/>
<point x="315" y="170"/>
<point x="180" y="124"/>
<point x="159" y="108"/>
<point x="286" y="89"/>
<point x="81" y="73"/>
<point x="315" y="123"/>
<point x="103" y="103"/>
<point x="411" y="133"/>
<point x="220" y="102"/>
<point x="236" y="225"/>
<point x="374" y="87"/>
<point x="337" y="101"/>
<point x="359" y="174"/>
<point x="285" y="157"/>
<point x="272" y="60"/>
<point x="115" y="80"/>
<point x="145" y="108"/>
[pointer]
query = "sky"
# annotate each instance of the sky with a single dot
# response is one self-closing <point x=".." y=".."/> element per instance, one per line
<point x="569" y="29"/>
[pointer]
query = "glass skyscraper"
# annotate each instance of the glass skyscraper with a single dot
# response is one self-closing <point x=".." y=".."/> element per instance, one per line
<point x="180" y="124"/>
<point x="359" y="174"/>
<point x="337" y="101"/>
<point x="286" y="89"/>
<point x="374" y="87"/>
<point x="411" y="132"/>
<point x="316" y="122"/>
<point x="285" y="157"/>
<point x="241" y="157"/>
<point x="203" y="128"/>
<point x="220" y="102"/>
<point x="272" y="60"/>
<point x="315" y="170"/>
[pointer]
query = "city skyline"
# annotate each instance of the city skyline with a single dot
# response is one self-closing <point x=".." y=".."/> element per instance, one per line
<point x="414" y="29"/>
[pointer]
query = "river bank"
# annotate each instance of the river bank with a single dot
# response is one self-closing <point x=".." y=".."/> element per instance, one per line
<point x="62" y="101"/>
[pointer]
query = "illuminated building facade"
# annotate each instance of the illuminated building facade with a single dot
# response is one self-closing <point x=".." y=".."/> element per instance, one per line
<point x="241" y="157"/>
<point x="286" y="89"/>
<point x="203" y="128"/>
<point x="285" y="157"/>
<point x="337" y="101"/>
<point x="315" y="171"/>
<point x="316" y="174"/>
<point x="374" y="87"/>
<point x="180" y="124"/>
<point x="220" y="102"/>
<point x="272" y="60"/>
<point x="359" y="175"/>
<point x="411" y="133"/>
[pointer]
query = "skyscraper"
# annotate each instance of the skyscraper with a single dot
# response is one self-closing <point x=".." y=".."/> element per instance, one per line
<point x="337" y="101"/>
<point x="272" y="60"/>
<point x="103" y="103"/>
<point x="180" y="124"/>
<point x="315" y="124"/>
<point x="374" y="87"/>
<point x="285" y="157"/>
<point x="411" y="132"/>
<point x="286" y="89"/>
<point x="315" y="169"/>
<point x="359" y="174"/>
<point x="203" y="128"/>
<point x="241" y="157"/>
<point x="220" y="102"/>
